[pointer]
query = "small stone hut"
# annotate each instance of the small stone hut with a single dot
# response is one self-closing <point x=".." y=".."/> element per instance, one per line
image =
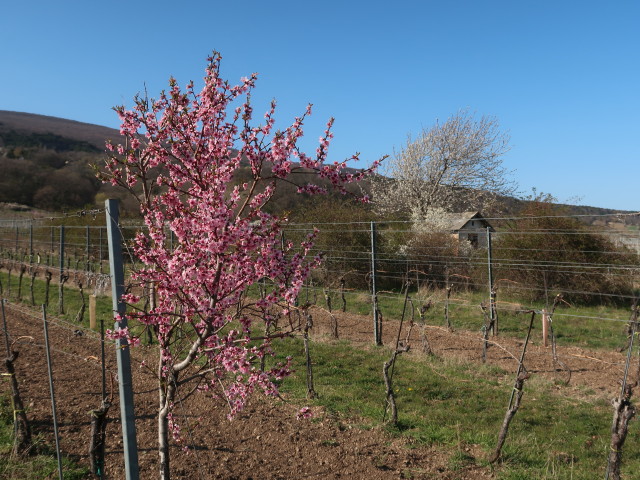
<point x="470" y="226"/>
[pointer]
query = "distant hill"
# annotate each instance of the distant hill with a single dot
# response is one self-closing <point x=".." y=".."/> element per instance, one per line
<point x="39" y="126"/>
<point x="596" y="216"/>
<point x="45" y="163"/>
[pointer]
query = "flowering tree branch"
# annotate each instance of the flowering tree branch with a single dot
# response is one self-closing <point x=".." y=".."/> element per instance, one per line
<point x="179" y="156"/>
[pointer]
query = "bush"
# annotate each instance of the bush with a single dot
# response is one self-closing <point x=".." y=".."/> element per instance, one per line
<point x="548" y="253"/>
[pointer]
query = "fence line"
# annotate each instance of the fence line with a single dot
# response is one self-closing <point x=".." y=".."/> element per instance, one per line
<point x="35" y="243"/>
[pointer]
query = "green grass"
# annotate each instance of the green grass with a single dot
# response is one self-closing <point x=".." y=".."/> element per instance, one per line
<point x="72" y="300"/>
<point x="596" y="327"/>
<point x="458" y="405"/>
<point x="41" y="463"/>
<point x="448" y="404"/>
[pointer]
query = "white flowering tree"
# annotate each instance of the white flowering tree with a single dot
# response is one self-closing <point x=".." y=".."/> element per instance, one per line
<point x="455" y="165"/>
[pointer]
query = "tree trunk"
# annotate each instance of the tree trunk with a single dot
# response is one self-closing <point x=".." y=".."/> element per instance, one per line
<point x="334" y="326"/>
<point x="83" y="306"/>
<point x="63" y="279"/>
<point x="624" y="411"/>
<point x="486" y="328"/>
<point x="391" y="398"/>
<point x="511" y="411"/>
<point x="166" y="391"/>
<point x="48" y="275"/>
<point x="163" y="438"/>
<point x="426" y="347"/>
<point x="23" y="269"/>
<point x="9" y="280"/>
<point x="494" y="313"/>
<point x="379" y="326"/>
<point x="447" y="320"/>
<point x="327" y="299"/>
<point x="311" y="393"/>
<point x="34" y="272"/>
<point x="21" y="423"/>
<point x="98" y="436"/>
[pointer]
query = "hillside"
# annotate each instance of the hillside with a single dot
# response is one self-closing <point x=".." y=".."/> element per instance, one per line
<point x="46" y="160"/>
<point x="30" y="124"/>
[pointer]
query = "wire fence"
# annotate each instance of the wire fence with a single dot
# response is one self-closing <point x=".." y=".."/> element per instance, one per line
<point x="520" y="260"/>
<point x="377" y="264"/>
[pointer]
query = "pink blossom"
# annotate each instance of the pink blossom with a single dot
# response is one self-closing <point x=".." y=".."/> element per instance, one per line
<point x="304" y="413"/>
<point x="206" y="239"/>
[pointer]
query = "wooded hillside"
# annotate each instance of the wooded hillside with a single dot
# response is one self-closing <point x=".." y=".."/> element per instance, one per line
<point x="46" y="163"/>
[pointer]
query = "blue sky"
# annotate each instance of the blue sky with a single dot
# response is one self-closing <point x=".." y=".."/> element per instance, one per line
<point x="562" y="77"/>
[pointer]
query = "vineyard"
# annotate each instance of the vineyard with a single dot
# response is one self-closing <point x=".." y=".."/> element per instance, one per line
<point x="414" y="352"/>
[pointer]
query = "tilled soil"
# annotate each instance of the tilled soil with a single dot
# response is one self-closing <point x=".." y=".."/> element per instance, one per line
<point x="265" y="441"/>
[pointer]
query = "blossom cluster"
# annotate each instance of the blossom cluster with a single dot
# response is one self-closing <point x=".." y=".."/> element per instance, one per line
<point x="207" y="238"/>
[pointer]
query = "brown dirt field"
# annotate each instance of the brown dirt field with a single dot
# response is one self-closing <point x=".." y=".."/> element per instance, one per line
<point x="599" y="371"/>
<point x="265" y="441"/>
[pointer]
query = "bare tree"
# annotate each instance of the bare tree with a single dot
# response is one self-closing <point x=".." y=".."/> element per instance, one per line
<point x="455" y="165"/>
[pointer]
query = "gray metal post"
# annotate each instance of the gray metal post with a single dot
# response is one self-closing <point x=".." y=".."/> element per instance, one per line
<point x="102" y="358"/>
<point x="4" y="326"/>
<point x="491" y="297"/>
<point x="377" y="334"/>
<point x="30" y="242"/>
<point x="61" y="282"/>
<point x="51" y="390"/>
<point x="88" y="238"/>
<point x="127" y="415"/>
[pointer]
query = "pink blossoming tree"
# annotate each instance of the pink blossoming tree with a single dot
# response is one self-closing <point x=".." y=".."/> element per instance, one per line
<point x="178" y="158"/>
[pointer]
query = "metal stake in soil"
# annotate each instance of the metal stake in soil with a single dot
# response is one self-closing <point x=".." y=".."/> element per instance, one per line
<point x="116" y="267"/>
<point x="53" y="396"/>
<point x="4" y="326"/>
<point x="377" y="330"/>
